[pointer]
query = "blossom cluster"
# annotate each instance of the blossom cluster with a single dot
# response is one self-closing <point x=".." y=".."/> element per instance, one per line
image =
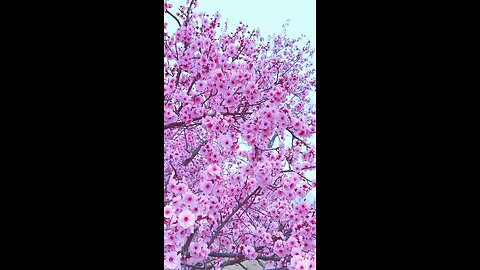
<point x="237" y="125"/>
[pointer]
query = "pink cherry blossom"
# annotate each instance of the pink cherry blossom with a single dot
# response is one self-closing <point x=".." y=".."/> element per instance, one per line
<point x="172" y="260"/>
<point x="207" y="187"/>
<point x="189" y="199"/>
<point x="250" y="252"/>
<point x="168" y="211"/>
<point x="186" y="219"/>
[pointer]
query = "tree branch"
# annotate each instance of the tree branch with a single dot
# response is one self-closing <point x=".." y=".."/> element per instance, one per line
<point x="219" y="228"/>
<point x="168" y="12"/>
<point x="194" y="154"/>
<point x="188" y="12"/>
<point x="293" y="135"/>
<point x="187" y="243"/>
<point x="234" y="261"/>
<point x="182" y="123"/>
<point x="177" y="80"/>
<point x="239" y="256"/>
<point x="193" y="266"/>
<point x="191" y="85"/>
<point x="272" y="140"/>
<point x="307" y="168"/>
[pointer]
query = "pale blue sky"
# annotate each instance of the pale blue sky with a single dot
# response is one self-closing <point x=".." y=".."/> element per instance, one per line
<point x="268" y="15"/>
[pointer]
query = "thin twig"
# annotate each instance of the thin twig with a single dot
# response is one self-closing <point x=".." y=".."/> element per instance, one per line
<point x="307" y="168"/>
<point x="168" y="12"/>
<point x="308" y="147"/>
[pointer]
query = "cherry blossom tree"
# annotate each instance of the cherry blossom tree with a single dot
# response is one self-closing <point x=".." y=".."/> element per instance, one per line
<point x="237" y="126"/>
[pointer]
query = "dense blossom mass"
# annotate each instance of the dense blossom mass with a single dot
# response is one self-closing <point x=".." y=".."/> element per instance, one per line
<point x="238" y="123"/>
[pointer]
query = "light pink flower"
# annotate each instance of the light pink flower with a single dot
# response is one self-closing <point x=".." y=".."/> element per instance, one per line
<point x="172" y="260"/>
<point x="250" y="252"/>
<point x="189" y="199"/>
<point x="206" y="187"/>
<point x="181" y="188"/>
<point x="168" y="211"/>
<point x="215" y="169"/>
<point x="195" y="248"/>
<point x="303" y="265"/>
<point x="186" y="219"/>
<point x="296" y="251"/>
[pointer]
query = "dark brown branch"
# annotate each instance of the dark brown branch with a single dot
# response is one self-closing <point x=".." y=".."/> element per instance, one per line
<point x="177" y="80"/>
<point x="199" y="266"/>
<point x="234" y="261"/>
<point x="187" y="243"/>
<point x="168" y="179"/>
<point x="238" y="255"/>
<point x="168" y="12"/>
<point x="219" y="228"/>
<point x="245" y="210"/>
<point x="182" y="123"/>
<point x="194" y="154"/>
<point x="307" y="168"/>
<point x="191" y="85"/>
<point x="304" y="143"/>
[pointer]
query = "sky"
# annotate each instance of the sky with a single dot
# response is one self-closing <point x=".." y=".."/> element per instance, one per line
<point x="268" y="16"/>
